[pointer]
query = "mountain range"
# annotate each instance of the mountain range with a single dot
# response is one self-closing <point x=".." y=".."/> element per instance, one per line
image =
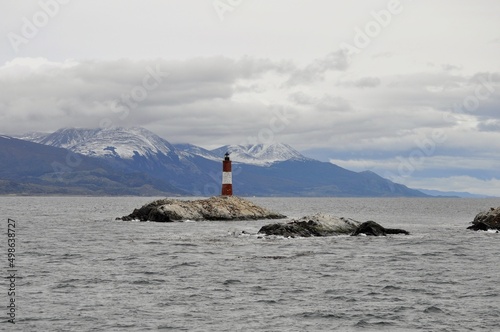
<point x="135" y="161"/>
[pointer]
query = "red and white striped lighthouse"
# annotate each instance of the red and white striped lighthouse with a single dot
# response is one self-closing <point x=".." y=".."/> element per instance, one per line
<point x="227" y="177"/>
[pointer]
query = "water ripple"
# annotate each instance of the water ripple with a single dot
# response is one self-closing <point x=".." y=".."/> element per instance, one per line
<point x="80" y="271"/>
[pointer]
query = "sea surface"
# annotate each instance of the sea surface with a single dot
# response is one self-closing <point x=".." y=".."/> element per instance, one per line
<point x="81" y="270"/>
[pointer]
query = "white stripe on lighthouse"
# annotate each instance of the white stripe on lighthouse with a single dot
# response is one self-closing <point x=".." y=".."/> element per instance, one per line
<point x="227" y="178"/>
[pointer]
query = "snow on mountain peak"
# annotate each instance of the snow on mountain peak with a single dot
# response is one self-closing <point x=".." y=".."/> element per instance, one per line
<point x="260" y="154"/>
<point x="104" y="142"/>
<point x="126" y="143"/>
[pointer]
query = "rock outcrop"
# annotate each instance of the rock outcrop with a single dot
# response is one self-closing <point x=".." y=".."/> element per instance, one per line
<point x="214" y="208"/>
<point x="326" y="225"/>
<point x="316" y="225"/>
<point x="374" y="229"/>
<point x="486" y="220"/>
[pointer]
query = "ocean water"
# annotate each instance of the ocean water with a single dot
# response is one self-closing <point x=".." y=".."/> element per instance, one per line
<point x="80" y="270"/>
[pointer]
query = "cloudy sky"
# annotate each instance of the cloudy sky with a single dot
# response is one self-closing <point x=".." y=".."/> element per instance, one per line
<point x="407" y="89"/>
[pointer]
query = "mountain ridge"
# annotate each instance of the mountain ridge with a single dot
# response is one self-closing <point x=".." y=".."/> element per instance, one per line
<point x="260" y="154"/>
<point x="453" y="194"/>
<point x="95" y="142"/>
<point x="258" y="170"/>
<point x="28" y="168"/>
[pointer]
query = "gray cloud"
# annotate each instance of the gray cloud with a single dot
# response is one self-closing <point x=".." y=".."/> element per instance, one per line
<point x="326" y="102"/>
<point x="83" y="93"/>
<point x="335" y="61"/>
<point x="364" y="82"/>
<point x="200" y="99"/>
<point x="489" y="125"/>
<point x="382" y="55"/>
<point x="450" y="67"/>
<point x="367" y="82"/>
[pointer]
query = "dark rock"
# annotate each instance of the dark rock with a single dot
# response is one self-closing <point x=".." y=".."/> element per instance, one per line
<point x="316" y="225"/>
<point x="480" y="226"/>
<point x="374" y="229"/>
<point x="291" y="229"/>
<point x="486" y="220"/>
<point x="396" y="231"/>
<point x="214" y="208"/>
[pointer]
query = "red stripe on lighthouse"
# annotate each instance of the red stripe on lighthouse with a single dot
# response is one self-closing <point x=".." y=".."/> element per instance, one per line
<point x="227" y="177"/>
<point x="226" y="166"/>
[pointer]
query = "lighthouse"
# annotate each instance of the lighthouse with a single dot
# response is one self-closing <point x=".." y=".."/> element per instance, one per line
<point x="227" y="178"/>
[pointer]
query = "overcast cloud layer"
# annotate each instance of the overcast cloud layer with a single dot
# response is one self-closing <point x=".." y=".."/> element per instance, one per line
<point x="407" y="89"/>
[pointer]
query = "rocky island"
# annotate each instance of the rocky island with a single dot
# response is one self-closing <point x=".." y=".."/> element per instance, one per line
<point x="486" y="220"/>
<point x="327" y="225"/>
<point x="237" y="208"/>
<point x="372" y="228"/>
<point x="213" y="208"/>
<point x="315" y="225"/>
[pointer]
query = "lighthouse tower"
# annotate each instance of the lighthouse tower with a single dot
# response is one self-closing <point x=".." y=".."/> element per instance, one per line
<point x="227" y="178"/>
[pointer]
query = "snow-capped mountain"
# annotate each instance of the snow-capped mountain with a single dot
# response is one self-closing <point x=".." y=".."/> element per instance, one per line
<point x="38" y="169"/>
<point x="146" y="160"/>
<point x="118" y="142"/>
<point x="259" y="154"/>
<point x="134" y="150"/>
<point x="188" y="150"/>
<point x="32" y="136"/>
<point x="125" y="143"/>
